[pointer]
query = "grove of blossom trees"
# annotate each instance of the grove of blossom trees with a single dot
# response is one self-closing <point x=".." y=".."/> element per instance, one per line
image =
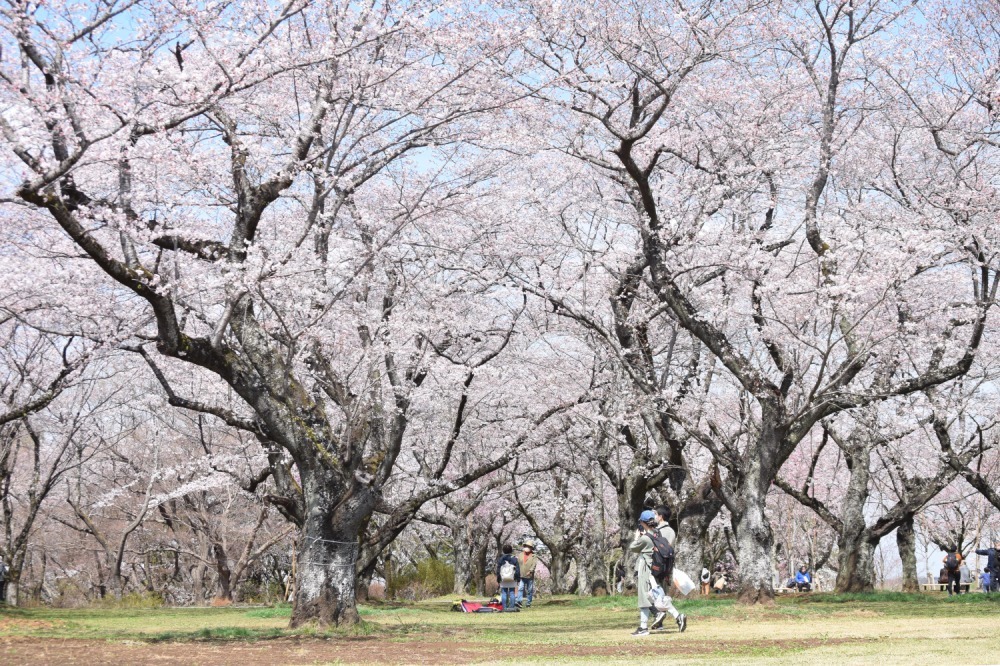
<point x="300" y="294"/>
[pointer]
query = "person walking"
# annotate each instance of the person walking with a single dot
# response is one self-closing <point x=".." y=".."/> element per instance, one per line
<point x="803" y="579"/>
<point x="527" y="561"/>
<point x="642" y="545"/>
<point x="992" y="565"/>
<point x="663" y="526"/>
<point x="508" y="577"/>
<point x="667" y="533"/>
<point x="953" y="565"/>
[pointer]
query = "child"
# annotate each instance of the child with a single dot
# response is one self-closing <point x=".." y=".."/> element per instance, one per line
<point x="508" y="577"/>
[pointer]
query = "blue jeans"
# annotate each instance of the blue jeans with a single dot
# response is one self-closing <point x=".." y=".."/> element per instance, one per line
<point x="526" y="591"/>
<point x="508" y="595"/>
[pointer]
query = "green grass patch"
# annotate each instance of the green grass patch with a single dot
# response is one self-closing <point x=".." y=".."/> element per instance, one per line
<point x="274" y="611"/>
<point x="796" y="629"/>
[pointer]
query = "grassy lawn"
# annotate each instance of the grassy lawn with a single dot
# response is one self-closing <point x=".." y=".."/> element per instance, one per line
<point x="823" y="629"/>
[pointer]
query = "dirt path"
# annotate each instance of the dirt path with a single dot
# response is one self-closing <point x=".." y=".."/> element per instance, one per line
<point x="15" y="651"/>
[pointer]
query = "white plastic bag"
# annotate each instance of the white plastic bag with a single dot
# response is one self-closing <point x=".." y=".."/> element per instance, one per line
<point x="683" y="582"/>
<point x="658" y="598"/>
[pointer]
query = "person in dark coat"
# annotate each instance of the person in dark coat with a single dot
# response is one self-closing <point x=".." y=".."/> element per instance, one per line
<point x="992" y="564"/>
<point x="508" y="584"/>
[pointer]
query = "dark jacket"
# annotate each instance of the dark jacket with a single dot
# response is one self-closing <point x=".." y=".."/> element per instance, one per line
<point x="517" y="571"/>
<point x="992" y="559"/>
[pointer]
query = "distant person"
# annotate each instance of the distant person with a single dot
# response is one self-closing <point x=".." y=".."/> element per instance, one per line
<point x="984" y="581"/>
<point x="803" y="579"/>
<point x="953" y="566"/>
<point x="719" y="580"/>
<point x="527" y="561"/>
<point x="992" y="565"/>
<point x="706" y="581"/>
<point x="3" y="581"/>
<point x="508" y="576"/>
<point x="965" y="576"/>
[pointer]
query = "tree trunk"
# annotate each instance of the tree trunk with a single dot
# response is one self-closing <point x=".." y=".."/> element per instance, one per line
<point x="907" y="544"/>
<point x="225" y="575"/>
<point x="754" y="538"/>
<point x="13" y="587"/>
<point x="326" y="582"/>
<point x="559" y="571"/>
<point x="692" y="534"/>
<point x="591" y="566"/>
<point x="856" y="572"/>
<point x="755" y="543"/>
<point x="480" y="569"/>
<point x="463" y="558"/>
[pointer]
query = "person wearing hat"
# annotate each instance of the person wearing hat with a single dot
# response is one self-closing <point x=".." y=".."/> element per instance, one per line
<point x="642" y="544"/>
<point x="527" y="561"/>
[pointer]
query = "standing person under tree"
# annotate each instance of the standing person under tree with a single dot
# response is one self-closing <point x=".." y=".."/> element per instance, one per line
<point x="953" y="565"/>
<point x="992" y="564"/>
<point x="527" y="561"/>
<point x="508" y="577"/>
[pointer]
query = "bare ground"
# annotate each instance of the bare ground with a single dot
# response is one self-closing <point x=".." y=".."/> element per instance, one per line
<point x="16" y="651"/>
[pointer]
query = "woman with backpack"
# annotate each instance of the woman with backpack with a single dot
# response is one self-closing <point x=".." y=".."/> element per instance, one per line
<point x="642" y="544"/>
<point x="953" y="564"/>
<point x="508" y="577"/>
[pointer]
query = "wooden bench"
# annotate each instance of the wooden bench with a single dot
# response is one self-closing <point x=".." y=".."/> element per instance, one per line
<point x="943" y="587"/>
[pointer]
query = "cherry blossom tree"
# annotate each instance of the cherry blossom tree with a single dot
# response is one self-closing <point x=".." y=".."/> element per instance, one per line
<point x="723" y="209"/>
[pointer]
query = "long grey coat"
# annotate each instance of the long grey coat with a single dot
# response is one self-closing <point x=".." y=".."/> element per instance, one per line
<point x="643" y="545"/>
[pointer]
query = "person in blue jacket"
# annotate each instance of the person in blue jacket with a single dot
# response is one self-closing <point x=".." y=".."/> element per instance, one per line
<point x="992" y="565"/>
<point x="508" y="577"/>
<point x="803" y="579"/>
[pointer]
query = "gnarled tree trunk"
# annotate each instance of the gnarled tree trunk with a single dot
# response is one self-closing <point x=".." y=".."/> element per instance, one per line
<point x="755" y="547"/>
<point x="907" y="543"/>
<point x="328" y="550"/>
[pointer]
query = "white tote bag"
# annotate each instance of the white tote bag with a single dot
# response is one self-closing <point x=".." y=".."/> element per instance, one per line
<point x="683" y="582"/>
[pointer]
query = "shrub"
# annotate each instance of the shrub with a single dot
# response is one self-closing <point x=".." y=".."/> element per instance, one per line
<point x="429" y="578"/>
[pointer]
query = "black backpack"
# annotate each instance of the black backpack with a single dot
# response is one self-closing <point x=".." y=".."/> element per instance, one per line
<point x="951" y="562"/>
<point x="663" y="560"/>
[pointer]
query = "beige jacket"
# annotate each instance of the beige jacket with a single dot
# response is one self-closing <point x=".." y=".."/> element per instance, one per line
<point x="527" y="564"/>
